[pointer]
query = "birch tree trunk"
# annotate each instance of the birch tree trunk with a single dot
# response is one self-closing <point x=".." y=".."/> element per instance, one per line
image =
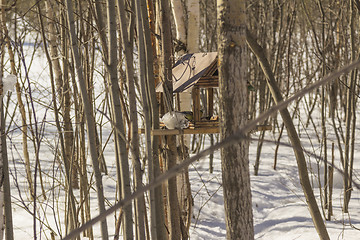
<point x="102" y="36"/>
<point x="193" y="30"/>
<point x="187" y="41"/>
<point x="145" y="101"/>
<point x="233" y="114"/>
<point x="192" y="44"/>
<point x="177" y="8"/>
<point x="90" y="122"/>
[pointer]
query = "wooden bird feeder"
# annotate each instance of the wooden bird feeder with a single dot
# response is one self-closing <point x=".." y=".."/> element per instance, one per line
<point x="192" y="73"/>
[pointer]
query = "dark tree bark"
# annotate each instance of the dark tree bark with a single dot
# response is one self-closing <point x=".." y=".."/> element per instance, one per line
<point x="171" y="151"/>
<point x="118" y="125"/>
<point x="233" y="115"/>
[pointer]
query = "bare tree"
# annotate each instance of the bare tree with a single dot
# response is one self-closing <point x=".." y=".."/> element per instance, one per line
<point x="350" y="115"/>
<point x="62" y="90"/>
<point x="173" y="212"/>
<point x="294" y="138"/>
<point x="152" y="69"/>
<point x="233" y="115"/>
<point x="5" y="195"/>
<point x="88" y="115"/>
<point x="71" y="213"/>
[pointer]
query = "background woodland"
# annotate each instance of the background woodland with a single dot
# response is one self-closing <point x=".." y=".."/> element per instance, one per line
<point x="102" y="61"/>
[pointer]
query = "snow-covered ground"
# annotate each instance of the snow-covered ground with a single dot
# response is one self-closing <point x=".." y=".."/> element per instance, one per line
<point x="279" y="207"/>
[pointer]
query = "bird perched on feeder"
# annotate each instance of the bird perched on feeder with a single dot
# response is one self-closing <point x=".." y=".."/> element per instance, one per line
<point x="250" y="87"/>
<point x="175" y="120"/>
<point x="188" y="115"/>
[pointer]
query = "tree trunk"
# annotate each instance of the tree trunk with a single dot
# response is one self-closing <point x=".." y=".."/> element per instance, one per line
<point x="62" y="88"/>
<point x="193" y="30"/>
<point x="9" y="232"/>
<point x="118" y="125"/>
<point x="188" y="43"/>
<point x="90" y="122"/>
<point x="152" y="70"/>
<point x="5" y="195"/>
<point x="179" y="19"/>
<point x="234" y="114"/>
<point x="151" y="113"/>
<point x="171" y="151"/>
<point x="349" y="116"/>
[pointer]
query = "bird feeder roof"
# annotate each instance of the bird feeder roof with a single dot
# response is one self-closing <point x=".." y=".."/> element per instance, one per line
<point x="195" y="69"/>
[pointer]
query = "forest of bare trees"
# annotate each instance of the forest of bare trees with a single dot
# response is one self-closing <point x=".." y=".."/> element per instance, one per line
<point x="90" y="118"/>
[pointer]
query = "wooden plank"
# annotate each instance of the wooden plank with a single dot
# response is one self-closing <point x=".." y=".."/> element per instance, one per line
<point x="212" y="68"/>
<point x="196" y="104"/>
<point x="160" y="132"/>
<point x="208" y="82"/>
<point x="209" y="79"/>
<point x="200" y="124"/>
<point x="210" y="101"/>
<point x="197" y="130"/>
<point x="262" y="128"/>
<point x="205" y="125"/>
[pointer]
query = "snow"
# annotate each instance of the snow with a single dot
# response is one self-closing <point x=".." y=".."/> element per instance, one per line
<point x="9" y="83"/>
<point x="279" y="207"/>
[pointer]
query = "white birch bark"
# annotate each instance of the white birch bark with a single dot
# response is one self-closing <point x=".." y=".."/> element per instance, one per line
<point x="185" y="99"/>
<point x="193" y="26"/>
<point x="178" y="12"/>
<point x="192" y="43"/>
